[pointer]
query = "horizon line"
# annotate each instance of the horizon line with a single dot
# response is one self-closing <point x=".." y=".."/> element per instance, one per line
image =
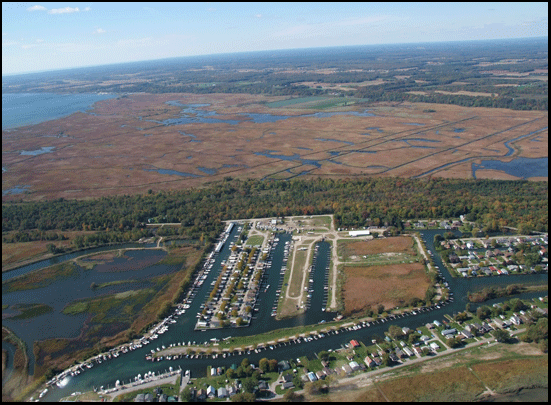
<point x="268" y="50"/>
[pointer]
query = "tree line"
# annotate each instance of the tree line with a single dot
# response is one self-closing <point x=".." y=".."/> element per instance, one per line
<point x="492" y="204"/>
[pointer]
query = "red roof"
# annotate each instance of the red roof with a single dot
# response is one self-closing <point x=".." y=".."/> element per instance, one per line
<point x="354" y="343"/>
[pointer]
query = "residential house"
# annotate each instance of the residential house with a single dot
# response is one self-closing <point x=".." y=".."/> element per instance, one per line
<point x="399" y="353"/>
<point x="211" y="392"/>
<point x="408" y="351"/>
<point x="354" y="343"/>
<point x="434" y="346"/>
<point x="222" y="392"/>
<point x="312" y="377"/>
<point x="320" y="375"/>
<point x="370" y="362"/>
<point x="347" y="369"/>
<point x="448" y="333"/>
<point x="354" y="366"/>
<point x="201" y="394"/>
<point x="515" y="320"/>
<point x="467" y="334"/>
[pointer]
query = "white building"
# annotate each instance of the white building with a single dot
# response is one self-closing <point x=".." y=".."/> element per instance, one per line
<point x="358" y="233"/>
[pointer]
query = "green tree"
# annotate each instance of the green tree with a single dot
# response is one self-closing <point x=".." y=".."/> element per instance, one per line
<point x="244" y="397"/>
<point x="501" y="335"/>
<point x="395" y="332"/>
<point x="483" y="312"/>
<point x="323" y="355"/>
<point x="290" y="396"/>
<point x="249" y="384"/>
<point x="263" y="364"/>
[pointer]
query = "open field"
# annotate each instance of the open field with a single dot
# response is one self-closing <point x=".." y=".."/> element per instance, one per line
<point x="124" y="147"/>
<point x="399" y="244"/>
<point x="391" y="286"/>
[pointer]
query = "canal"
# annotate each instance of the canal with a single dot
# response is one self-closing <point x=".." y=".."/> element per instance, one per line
<point x="127" y="366"/>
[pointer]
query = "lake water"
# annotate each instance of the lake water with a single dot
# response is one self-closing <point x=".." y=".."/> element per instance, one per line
<point x="519" y="167"/>
<point x="19" y="109"/>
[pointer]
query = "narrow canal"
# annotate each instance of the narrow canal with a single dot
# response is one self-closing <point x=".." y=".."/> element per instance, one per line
<point x="128" y="365"/>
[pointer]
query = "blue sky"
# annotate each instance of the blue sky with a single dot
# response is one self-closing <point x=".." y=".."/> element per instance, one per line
<point x="49" y="36"/>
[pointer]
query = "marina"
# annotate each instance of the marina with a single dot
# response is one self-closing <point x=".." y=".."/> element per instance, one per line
<point x="175" y="332"/>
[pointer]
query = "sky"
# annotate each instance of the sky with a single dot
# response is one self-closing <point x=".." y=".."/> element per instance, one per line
<point x="52" y="36"/>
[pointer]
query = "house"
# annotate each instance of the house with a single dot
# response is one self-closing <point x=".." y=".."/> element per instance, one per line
<point x="232" y="390"/>
<point x="287" y="385"/>
<point x="408" y="351"/>
<point x="213" y="372"/>
<point x="163" y="398"/>
<point x="434" y="346"/>
<point x="429" y="326"/>
<point x="370" y="362"/>
<point x="140" y="398"/>
<point x="453" y="258"/>
<point x="354" y="366"/>
<point x="499" y="323"/>
<point x="417" y="350"/>
<point x="283" y="365"/>
<point x="405" y="330"/>
<point x="287" y="378"/>
<point x="312" y="377"/>
<point x="424" y="338"/>
<point x="467" y="334"/>
<point x="400" y="353"/>
<point x="436" y="323"/>
<point x="515" y="320"/>
<point x="448" y="332"/>
<point x="263" y="385"/>
<point x="320" y="375"/>
<point x="354" y="343"/>
<point x="149" y="397"/>
<point x="211" y="392"/>
<point x="393" y="357"/>
<point x="201" y="394"/>
<point x="486" y="327"/>
<point x="222" y="392"/>
<point x="347" y="369"/>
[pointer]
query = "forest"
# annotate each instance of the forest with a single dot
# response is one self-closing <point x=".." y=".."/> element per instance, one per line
<point x="492" y="204"/>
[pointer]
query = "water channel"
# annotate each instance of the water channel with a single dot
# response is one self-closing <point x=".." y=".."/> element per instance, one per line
<point x="132" y="363"/>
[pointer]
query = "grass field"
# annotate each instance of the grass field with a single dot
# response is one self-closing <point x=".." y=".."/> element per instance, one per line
<point x="391" y="286"/>
<point x="255" y="240"/>
<point x="398" y="244"/>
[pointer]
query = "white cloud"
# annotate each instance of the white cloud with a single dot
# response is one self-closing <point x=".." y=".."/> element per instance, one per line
<point x="211" y="9"/>
<point x="9" y="43"/>
<point x="37" y="8"/>
<point x="28" y="46"/>
<point x="99" y="31"/>
<point x="65" y="10"/>
<point x="258" y="16"/>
